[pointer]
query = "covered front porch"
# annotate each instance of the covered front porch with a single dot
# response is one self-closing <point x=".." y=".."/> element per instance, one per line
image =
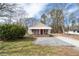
<point x="41" y="31"/>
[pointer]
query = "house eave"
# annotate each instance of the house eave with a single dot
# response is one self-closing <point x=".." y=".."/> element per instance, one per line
<point x="40" y="28"/>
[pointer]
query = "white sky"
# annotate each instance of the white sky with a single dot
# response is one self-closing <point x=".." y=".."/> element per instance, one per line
<point x="34" y="8"/>
<point x="73" y="9"/>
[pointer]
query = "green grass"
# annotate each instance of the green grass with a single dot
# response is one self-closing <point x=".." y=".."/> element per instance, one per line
<point x="25" y="47"/>
<point x="22" y="47"/>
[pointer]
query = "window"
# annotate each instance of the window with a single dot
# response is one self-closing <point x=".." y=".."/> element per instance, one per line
<point x="46" y="31"/>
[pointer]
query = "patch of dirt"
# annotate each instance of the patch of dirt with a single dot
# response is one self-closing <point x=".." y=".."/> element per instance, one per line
<point x="68" y="51"/>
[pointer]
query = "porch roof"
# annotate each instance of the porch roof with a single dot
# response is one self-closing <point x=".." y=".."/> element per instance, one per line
<point x="40" y="26"/>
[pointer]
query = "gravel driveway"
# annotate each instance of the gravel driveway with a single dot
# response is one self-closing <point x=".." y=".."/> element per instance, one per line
<point x="50" y="41"/>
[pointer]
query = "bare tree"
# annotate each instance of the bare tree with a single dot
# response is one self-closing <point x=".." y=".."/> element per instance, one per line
<point x="7" y="10"/>
<point x="43" y="18"/>
<point x="58" y="20"/>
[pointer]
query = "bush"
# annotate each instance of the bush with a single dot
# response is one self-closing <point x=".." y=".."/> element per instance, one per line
<point x="11" y="31"/>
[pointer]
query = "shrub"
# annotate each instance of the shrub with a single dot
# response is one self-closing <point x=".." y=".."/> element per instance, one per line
<point x="11" y="31"/>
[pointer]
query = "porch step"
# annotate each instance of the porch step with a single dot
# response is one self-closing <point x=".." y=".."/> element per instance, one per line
<point x="42" y="35"/>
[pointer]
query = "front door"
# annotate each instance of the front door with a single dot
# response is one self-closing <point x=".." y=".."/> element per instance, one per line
<point x="41" y="31"/>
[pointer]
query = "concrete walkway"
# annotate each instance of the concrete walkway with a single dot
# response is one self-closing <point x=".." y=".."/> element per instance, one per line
<point x="72" y="41"/>
<point x="51" y="41"/>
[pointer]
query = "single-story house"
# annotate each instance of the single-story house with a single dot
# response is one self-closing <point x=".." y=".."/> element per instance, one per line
<point x="39" y="29"/>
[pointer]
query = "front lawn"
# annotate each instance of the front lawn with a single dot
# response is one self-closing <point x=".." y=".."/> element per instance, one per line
<point x="24" y="47"/>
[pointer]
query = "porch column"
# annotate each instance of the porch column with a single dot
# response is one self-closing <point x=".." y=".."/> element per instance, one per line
<point x="49" y="31"/>
<point x="43" y="31"/>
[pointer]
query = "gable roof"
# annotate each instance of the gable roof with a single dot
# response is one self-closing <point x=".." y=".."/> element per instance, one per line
<point x="39" y="25"/>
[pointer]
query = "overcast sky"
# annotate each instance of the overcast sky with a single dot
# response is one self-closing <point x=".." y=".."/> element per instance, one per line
<point x="36" y="9"/>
